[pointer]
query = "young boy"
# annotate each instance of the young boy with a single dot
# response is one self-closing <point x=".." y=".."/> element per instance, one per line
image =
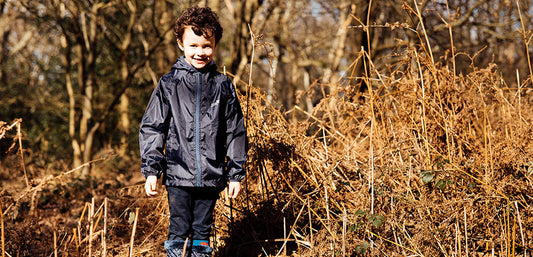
<point x="193" y="135"/>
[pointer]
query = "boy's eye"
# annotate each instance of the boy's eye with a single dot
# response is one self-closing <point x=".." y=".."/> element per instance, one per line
<point x="195" y="46"/>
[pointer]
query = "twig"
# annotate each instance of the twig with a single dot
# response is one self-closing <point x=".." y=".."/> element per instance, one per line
<point x="96" y="234"/>
<point x="79" y="242"/>
<point x="45" y="181"/>
<point x="514" y="238"/>
<point x="91" y="225"/>
<point x="3" y="238"/>
<point x="101" y="212"/>
<point x="466" y="232"/>
<point x="185" y="247"/>
<point x="310" y="220"/>
<point x="371" y="162"/>
<point x="133" y="231"/>
<point x="392" y="242"/>
<point x="16" y="123"/>
<point x="3" y="130"/>
<point x="250" y="82"/>
<point x="520" y="226"/>
<point x="457" y="240"/>
<point x="291" y="230"/>
<point x="285" y="235"/>
<point x="76" y="240"/>
<point x="104" y="232"/>
<point x="300" y="242"/>
<point x="312" y="210"/>
<point x="22" y="162"/>
<point x="55" y="244"/>
<point x="451" y="40"/>
<point x="344" y="220"/>
<point x="507" y="220"/>
<point x="428" y="48"/>
<point x="527" y="40"/>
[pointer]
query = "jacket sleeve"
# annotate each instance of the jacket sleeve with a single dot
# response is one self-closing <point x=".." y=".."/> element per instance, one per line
<point x="153" y="132"/>
<point x="236" y="139"/>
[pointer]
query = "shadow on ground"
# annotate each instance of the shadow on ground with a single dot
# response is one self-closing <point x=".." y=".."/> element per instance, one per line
<point x="260" y="233"/>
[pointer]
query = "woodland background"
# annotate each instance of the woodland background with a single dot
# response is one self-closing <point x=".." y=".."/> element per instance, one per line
<point x="376" y="127"/>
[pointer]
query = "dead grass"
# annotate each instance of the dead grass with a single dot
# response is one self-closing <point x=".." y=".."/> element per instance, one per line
<point x="426" y="163"/>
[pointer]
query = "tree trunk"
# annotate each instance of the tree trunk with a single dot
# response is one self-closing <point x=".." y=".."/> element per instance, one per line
<point x="337" y="51"/>
<point x="88" y="48"/>
<point x="124" y="75"/>
<point x="67" y="63"/>
<point x="243" y="15"/>
<point x="170" y="51"/>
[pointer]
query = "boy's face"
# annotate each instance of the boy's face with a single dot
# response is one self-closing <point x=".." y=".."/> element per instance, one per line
<point x="198" y="50"/>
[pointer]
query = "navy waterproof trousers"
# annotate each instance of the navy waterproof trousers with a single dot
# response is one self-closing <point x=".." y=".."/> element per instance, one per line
<point x="191" y="212"/>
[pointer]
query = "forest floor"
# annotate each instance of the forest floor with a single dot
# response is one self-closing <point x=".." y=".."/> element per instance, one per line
<point x="426" y="163"/>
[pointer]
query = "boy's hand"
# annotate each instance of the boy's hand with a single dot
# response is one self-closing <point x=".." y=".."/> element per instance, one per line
<point x="151" y="186"/>
<point x="234" y="188"/>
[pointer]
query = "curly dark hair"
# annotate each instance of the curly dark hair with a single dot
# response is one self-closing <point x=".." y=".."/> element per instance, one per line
<point x="203" y="20"/>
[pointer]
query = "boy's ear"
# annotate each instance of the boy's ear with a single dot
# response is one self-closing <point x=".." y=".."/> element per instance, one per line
<point x="180" y="45"/>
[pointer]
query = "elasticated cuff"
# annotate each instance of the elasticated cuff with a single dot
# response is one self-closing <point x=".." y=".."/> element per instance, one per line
<point x="202" y="249"/>
<point x="175" y="244"/>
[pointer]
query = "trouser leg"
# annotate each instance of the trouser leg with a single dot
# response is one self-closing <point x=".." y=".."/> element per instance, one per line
<point x="191" y="213"/>
<point x="204" y="204"/>
<point x="180" y="203"/>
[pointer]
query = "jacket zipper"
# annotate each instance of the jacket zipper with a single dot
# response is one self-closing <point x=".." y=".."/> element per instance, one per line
<point x="197" y="131"/>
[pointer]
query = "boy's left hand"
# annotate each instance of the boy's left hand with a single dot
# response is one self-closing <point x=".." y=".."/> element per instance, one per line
<point x="234" y="188"/>
<point x="151" y="186"/>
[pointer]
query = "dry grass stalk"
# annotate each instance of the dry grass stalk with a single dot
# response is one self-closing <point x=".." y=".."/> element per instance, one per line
<point x="18" y="138"/>
<point x="450" y="32"/>
<point x="185" y="247"/>
<point x="403" y="247"/>
<point x="284" y="237"/>
<point x="76" y="240"/>
<point x="513" y="247"/>
<point x="310" y="221"/>
<point x="80" y="220"/>
<point x="344" y="220"/>
<point x="55" y="243"/>
<point x="466" y="232"/>
<point x="453" y="133"/>
<point x="90" y="218"/>
<point x="291" y="231"/>
<point x="104" y="233"/>
<point x="33" y="190"/>
<point x="2" y="230"/>
<point x="21" y="152"/>
<point x="520" y="225"/>
<point x="133" y="231"/>
<point x="526" y="36"/>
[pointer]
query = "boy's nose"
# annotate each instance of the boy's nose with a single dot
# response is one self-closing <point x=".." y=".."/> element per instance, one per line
<point x="200" y="51"/>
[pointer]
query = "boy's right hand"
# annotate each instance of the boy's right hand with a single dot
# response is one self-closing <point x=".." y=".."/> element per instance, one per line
<point x="151" y="186"/>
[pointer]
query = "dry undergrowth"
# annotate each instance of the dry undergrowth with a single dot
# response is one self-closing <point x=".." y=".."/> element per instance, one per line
<point x="427" y="163"/>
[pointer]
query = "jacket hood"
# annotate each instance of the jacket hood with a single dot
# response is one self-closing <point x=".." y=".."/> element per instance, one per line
<point x="182" y="64"/>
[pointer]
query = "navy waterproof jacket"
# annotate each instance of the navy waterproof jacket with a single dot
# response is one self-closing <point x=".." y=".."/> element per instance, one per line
<point x="192" y="131"/>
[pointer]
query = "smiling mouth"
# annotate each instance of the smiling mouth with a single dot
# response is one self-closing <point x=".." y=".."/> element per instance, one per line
<point x="202" y="59"/>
